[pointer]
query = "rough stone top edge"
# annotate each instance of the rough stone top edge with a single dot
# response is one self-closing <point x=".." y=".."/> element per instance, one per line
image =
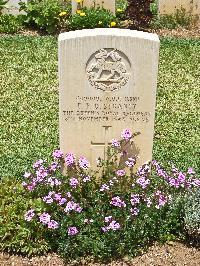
<point x="106" y="32"/>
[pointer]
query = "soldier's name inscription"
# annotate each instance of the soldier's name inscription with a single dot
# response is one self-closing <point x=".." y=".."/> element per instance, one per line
<point x="97" y="109"/>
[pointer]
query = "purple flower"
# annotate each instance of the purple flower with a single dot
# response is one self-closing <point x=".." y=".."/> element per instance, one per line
<point x="78" y="209"/>
<point x="62" y="201"/>
<point x="134" y="211"/>
<point x="68" y="194"/>
<point x="114" y="226"/>
<point x="104" y="229"/>
<point x="54" y="166"/>
<point x="72" y="231"/>
<point x="190" y="171"/>
<point x="181" y="178"/>
<point x="52" y="181"/>
<point x="162" y="199"/>
<point x="83" y="163"/>
<point x="135" y="199"/>
<point x="73" y="182"/>
<point x="70" y="159"/>
<point x="47" y="199"/>
<point x="86" y="179"/>
<point x="53" y="224"/>
<point x="143" y="170"/>
<point x="143" y="182"/>
<point x="38" y="163"/>
<point x="31" y="186"/>
<point x="196" y="182"/>
<point x="131" y="162"/>
<point x="104" y="187"/>
<point x="121" y="172"/>
<point x="57" y="154"/>
<point x="44" y="218"/>
<point x="117" y="202"/>
<point x="70" y="206"/>
<point x="126" y="134"/>
<point x="29" y="215"/>
<point x="41" y="174"/>
<point x="58" y="196"/>
<point x="108" y="219"/>
<point x="115" y="143"/>
<point x="24" y="184"/>
<point x="174" y="182"/>
<point x="155" y="163"/>
<point x="27" y="175"/>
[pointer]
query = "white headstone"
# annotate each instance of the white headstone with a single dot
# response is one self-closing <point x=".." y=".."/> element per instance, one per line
<point x="13" y="7"/>
<point x="107" y="4"/>
<point x="168" y="7"/>
<point x="107" y="83"/>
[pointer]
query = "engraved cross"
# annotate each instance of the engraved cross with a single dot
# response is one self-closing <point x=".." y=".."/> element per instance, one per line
<point x="104" y="143"/>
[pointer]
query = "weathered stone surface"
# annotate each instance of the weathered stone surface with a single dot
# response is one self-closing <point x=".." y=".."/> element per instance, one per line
<point x="13" y="7"/>
<point x="107" y="4"/>
<point x="107" y="83"/>
<point x="167" y="7"/>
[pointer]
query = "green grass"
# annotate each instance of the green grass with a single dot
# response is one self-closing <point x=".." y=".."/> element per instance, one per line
<point x="29" y="108"/>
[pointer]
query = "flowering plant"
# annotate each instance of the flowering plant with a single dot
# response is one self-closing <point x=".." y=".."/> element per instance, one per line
<point x="89" y="18"/>
<point x="113" y="210"/>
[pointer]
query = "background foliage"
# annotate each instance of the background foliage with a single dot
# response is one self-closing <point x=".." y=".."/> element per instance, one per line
<point x="14" y="234"/>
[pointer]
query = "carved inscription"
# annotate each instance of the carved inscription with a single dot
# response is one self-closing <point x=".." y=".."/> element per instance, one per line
<point x="109" y="109"/>
<point x="108" y="70"/>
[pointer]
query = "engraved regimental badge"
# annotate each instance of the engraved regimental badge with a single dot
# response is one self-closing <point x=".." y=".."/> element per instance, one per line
<point x="108" y="69"/>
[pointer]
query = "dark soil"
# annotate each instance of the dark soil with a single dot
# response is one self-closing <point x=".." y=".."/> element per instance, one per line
<point x="173" y="254"/>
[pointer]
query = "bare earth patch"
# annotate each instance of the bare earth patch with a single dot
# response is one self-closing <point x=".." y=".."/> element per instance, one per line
<point x="179" y="33"/>
<point x="175" y="254"/>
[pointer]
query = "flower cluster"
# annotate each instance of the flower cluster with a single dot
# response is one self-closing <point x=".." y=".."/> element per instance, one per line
<point x="70" y="159"/>
<point x="135" y="199"/>
<point x="143" y="182"/>
<point x="44" y="218"/>
<point x="53" y="181"/>
<point x="83" y="163"/>
<point x="131" y="162"/>
<point x="176" y="178"/>
<point x="54" y="197"/>
<point x="72" y="231"/>
<point x="118" y="202"/>
<point x="72" y="206"/>
<point x="124" y="193"/>
<point x="126" y="134"/>
<point x="111" y="225"/>
<point x="121" y="173"/>
<point x="162" y="199"/>
<point x="29" y="215"/>
<point x="57" y="154"/>
<point x="115" y="143"/>
<point x="110" y="183"/>
<point x="73" y="182"/>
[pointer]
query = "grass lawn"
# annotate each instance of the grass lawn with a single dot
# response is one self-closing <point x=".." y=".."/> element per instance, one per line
<point x="29" y="107"/>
